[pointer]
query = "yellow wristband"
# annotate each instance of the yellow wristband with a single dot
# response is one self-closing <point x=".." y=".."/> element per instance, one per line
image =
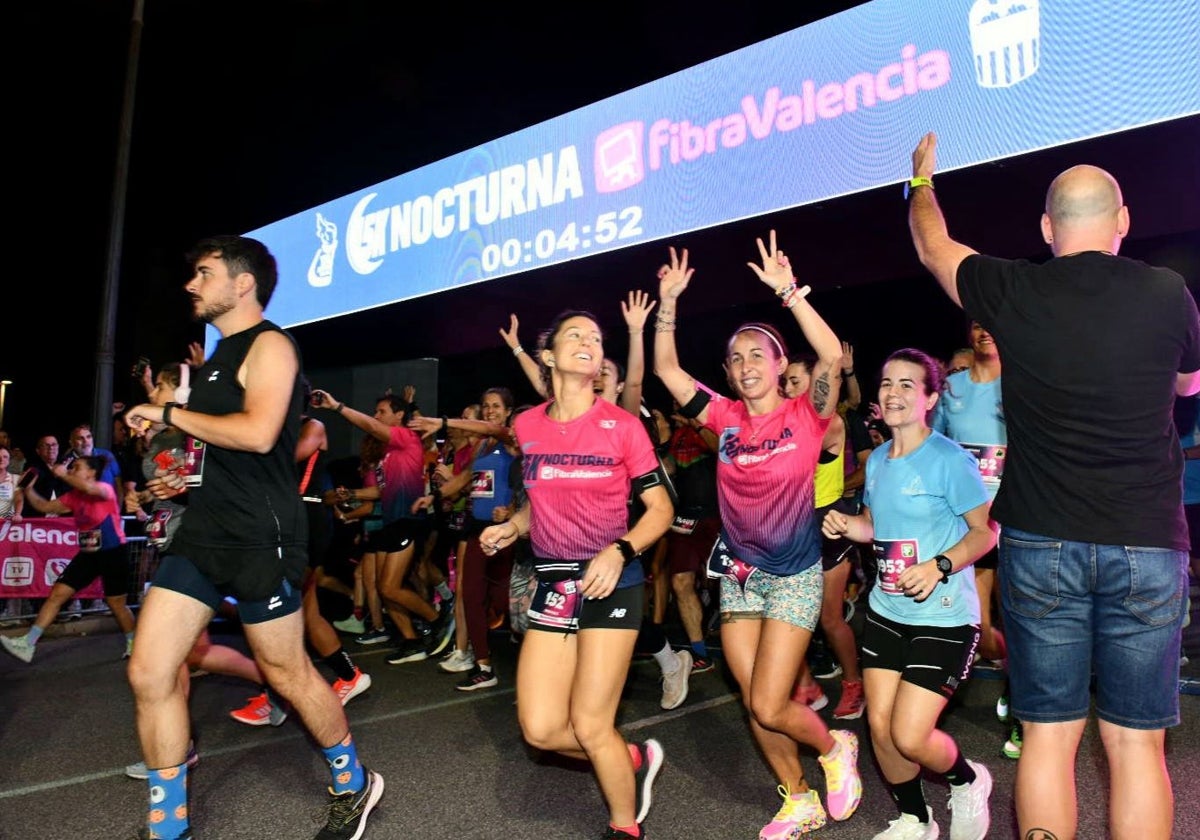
<point x="912" y="183"/>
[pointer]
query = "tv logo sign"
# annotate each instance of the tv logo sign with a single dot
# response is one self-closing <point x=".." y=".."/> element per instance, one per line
<point x="17" y="571"/>
<point x="618" y="157"/>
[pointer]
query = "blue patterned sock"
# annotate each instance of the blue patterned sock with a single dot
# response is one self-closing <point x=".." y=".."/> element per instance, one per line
<point x="168" y="815"/>
<point x="344" y="765"/>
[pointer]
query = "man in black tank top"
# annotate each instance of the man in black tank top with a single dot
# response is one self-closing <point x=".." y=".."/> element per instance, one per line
<point x="245" y="536"/>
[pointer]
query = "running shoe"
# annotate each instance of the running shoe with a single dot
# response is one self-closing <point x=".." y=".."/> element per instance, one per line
<point x="970" y="815"/>
<point x="478" y="678"/>
<point x="19" y="647"/>
<point x="139" y="771"/>
<point x="701" y="664"/>
<point x="852" y="702"/>
<point x="644" y="776"/>
<point x="457" y="662"/>
<point x="830" y="672"/>
<point x="347" y="690"/>
<point x="1002" y="713"/>
<point x="843" y="785"/>
<point x="675" y="684"/>
<point x="443" y="629"/>
<point x="611" y="833"/>
<point x="128" y="649"/>
<point x="352" y="624"/>
<point x="812" y="696"/>
<point x="410" y="650"/>
<point x="1012" y="747"/>
<point x="348" y="812"/>
<point x="908" y="827"/>
<point x="800" y="814"/>
<point x="374" y="636"/>
<point x="259" y="711"/>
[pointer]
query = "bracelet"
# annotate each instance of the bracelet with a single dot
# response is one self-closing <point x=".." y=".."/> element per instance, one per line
<point x="786" y="291"/>
<point x="445" y="425"/>
<point x="518" y="350"/>
<point x="338" y="408"/>
<point x="847" y="373"/>
<point x="795" y="296"/>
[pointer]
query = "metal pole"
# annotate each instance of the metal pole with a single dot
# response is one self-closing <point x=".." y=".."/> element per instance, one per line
<point x="4" y="383"/>
<point x="107" y="332"/>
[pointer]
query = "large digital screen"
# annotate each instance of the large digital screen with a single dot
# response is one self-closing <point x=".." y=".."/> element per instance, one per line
<point x="829" y="109"/>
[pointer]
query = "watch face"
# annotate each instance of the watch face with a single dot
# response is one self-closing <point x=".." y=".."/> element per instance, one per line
<point x="944" y="565"/>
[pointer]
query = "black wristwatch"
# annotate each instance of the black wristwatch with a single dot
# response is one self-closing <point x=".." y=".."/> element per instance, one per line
<point x="944" y="566"/>
<point x="626" y="549"/>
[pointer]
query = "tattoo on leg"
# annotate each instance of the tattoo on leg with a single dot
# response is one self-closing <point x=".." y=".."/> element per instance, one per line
<point x="1040" y="834"/>
<point x="820" y="392"/>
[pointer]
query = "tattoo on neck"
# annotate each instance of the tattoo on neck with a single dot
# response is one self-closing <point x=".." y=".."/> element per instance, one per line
<point x="1040" y="834"/>
<point x="820" y="393"/>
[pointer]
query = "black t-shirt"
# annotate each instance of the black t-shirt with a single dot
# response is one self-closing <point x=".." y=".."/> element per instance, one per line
<point x="1091" y="345"/>
<point x="246" y="527"/>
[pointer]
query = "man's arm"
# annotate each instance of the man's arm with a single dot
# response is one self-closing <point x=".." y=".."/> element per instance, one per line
<point x="936" y="250"/>
<point x="366" y="422"/>
<point x="268" y="376"/>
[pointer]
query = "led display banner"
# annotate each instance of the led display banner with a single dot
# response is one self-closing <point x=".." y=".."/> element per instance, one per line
<point x="831" y="108"/>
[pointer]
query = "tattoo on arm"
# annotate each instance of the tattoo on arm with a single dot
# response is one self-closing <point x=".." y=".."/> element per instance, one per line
<point x="1040" y="834"/>
<point x="820" y="392"/>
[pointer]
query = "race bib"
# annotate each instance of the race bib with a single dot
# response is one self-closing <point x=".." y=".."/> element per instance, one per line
<point x="722" y="563"/>
<point x="456" y="520"/>
<point x="556" y="604"/>
<point x="193" y="461"/>
<point x="892" y="558"/>
<point x="990" y="458"/>
<point x="684" y="524"/>
<point x="156" y="528"/>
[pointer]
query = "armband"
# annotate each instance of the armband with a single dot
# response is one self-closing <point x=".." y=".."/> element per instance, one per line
<point x="644" y="482"/>
<point x="695" y="405"/>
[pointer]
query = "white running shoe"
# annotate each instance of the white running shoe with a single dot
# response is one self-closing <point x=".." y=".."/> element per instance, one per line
<point x="675" y="684"/>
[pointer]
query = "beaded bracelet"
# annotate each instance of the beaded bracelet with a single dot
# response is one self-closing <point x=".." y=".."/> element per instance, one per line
<point x="518" y="350"/>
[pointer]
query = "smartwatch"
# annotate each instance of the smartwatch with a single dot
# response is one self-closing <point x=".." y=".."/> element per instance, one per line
<point x="626" y="549"/>
<point x="944" y="566"/>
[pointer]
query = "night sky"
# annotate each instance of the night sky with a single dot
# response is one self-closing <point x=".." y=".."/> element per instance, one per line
<point x="248" y="111"/>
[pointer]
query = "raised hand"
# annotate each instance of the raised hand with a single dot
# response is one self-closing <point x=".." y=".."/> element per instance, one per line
<point x="673" y="277"/>
<point x="776" y="269"/>
<point x="637" y="310"/>
<point x="510" y="335"/>
<point x="924" y="157"/>
<point x="847" y="356"/>
<point x="195" y="354"/>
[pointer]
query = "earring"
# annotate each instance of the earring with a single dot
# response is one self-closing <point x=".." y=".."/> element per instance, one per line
<point x="549" y="363"/>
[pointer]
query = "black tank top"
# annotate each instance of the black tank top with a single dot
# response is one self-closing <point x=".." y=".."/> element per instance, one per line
<point x="246" y="526"/>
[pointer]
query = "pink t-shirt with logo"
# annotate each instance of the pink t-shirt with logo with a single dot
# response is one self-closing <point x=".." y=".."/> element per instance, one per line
<point x="98" y="518"/>
<point x="765" y="468"/>
<point x="578" y="475"/>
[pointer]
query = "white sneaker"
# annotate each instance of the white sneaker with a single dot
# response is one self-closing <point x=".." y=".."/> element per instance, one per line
<point x="970" y="815"/>
<point x="19" y="647"/>
<point x="675" y="684"/>
<point x="457" y="662"/>
<point x="908" y="827"/>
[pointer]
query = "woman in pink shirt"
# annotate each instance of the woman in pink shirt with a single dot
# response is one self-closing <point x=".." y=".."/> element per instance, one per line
<point x="768" y="554"/>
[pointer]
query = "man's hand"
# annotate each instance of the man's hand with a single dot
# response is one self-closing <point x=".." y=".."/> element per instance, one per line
<point x="323" y="399"/>
<point x="847" y="357"/>
<point x="924" y="157"/>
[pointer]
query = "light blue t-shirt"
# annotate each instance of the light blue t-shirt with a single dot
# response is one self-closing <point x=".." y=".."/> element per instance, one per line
<point x="917" y="504"/>
<point x="972" y="413"/>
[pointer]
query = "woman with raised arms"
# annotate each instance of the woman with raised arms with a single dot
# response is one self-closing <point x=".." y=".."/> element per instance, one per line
<point x="768" y="556"/>
<point x="581" y="457"/>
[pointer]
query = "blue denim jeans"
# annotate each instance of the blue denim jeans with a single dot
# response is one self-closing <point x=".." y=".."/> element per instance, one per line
<point x="1074" y="610"/>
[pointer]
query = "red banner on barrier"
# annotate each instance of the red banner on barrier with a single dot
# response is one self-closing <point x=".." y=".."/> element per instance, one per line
<point x="34" y="553"/>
